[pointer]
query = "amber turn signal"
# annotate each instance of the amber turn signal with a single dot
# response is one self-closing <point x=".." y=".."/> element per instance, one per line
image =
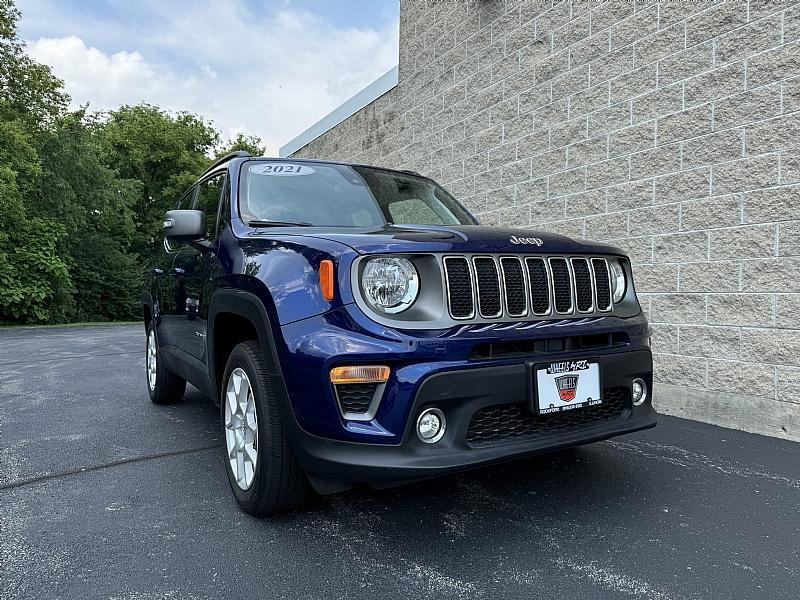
<point x="360" y="374"/>
<point x="326" y="278"/>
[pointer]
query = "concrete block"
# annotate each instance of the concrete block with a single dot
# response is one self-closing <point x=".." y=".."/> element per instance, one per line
<point x="780" y="63"/>
<point x="754" y="105"/>
<point x="587" y="203"/>
<point x="632" y="139"/>
<point x="717" y="147"/>
<point x="741" y="378"/>
<point x="745" y="174"/>
<point x="656" y="278"/>
<point x="685" y="64"/>
<point x="607" y="226"/>
<point x="643" y="22"/>
<point x="716" y="276"/>
<point x="773" y="346"/>
<point x="711" y="342"/>
<point x="589" y="100"/>
<point x="567" y="182"/>
<point x="681" y="247"/>
<point x="789" y="241"/>
<point x="685" y="124"/>
<point x="715" y="21"/>
<point x="723" y="81"/>
<point x="658" y="102"/>
<point x="547" y="211"/>
<point x="589" y="49"/>
<point x="781" y="133"/>
<point x="751" y="310"/>
<point x="772" y="204"/>
<point x="587" y="152"/>
<point x="658" y="161"/>
<point x="716" y="211"/>
<point x="658" y="45"/>
<point x="771" y="275"/>
<point x="635" y="83"/>
<point x="683" y="185"/>
<point x="788" y="311"/>
<point x="607" y="172"/>
<point x="655" y="219"/>
<point x="674" y="369"/>
<point x="633" y="194"/>
<point x="665" y="338"/>
<point x="750" y="241"/>
<point x="608" y="119"/>
<point x="747" y="41"/>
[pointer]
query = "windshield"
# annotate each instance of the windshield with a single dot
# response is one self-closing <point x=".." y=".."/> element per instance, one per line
<point x="324" y="194"/>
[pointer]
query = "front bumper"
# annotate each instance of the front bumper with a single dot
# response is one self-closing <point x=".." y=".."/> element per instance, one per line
<point x="461" y="392"/>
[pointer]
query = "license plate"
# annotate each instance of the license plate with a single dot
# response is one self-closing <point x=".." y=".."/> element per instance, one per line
<point x="567" y="385"/>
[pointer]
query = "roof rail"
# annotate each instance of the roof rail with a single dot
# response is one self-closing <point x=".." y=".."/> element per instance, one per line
<point x="226" y="158"/>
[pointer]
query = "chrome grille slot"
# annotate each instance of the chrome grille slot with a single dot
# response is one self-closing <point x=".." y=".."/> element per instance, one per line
<point x="584" y="297"/>
<point x="515" y="287"/>
<point x="562" y="285"/>
<point x="459" y="287"/>
<point x="538" y="286"/>
<point x="488" y="286"/>
<point x="602" y="284"/>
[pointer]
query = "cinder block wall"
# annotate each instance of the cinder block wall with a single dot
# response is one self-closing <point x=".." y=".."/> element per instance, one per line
<point x="670" y="129"/>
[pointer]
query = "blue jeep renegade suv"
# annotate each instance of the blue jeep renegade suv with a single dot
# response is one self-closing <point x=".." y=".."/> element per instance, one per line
<point x="356" y="325"/>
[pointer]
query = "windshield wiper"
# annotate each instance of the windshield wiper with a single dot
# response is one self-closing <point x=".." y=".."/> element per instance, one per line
<point x="277" y="224"/>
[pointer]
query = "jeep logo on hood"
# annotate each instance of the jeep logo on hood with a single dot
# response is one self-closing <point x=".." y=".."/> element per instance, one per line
<point x="525" y="240"/>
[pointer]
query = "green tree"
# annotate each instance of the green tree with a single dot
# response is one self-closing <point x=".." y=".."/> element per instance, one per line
<point x="165" y="152"/>
<point x="34" y="279"/>
<point x="248" y="143"/>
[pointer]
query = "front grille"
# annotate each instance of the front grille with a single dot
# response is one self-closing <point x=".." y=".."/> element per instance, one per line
<point x="355" y="398"/>
<point x="515" y="287"/>
<point x="505" y="423"/>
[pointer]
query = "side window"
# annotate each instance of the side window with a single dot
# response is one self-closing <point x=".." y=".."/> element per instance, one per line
<point x="208" y="197"/>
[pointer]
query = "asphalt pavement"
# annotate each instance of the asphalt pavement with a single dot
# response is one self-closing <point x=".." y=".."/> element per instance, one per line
<point x="105" y="495"/>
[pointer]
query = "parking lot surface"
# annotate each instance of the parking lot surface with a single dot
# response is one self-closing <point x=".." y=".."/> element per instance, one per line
<point x="105" y="495"/>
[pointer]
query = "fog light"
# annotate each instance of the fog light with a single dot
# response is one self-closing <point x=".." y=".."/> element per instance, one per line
<point x="430" y="425"/>
<point x="639" y="391"/>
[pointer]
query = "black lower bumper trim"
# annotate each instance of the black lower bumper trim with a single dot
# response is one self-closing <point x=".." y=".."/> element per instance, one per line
<point x="334" y="464"/>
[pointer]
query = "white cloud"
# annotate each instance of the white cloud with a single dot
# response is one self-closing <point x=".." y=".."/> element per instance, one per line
<point x="272" y="76"/>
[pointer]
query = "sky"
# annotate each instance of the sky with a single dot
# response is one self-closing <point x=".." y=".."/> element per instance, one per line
<point x="270" y="68"/>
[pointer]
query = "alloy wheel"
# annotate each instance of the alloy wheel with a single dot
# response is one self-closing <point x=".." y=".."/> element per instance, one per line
<point x="241" y="428"/>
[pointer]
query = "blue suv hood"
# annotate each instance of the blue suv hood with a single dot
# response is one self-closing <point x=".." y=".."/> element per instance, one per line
<point x="461" y="238"/>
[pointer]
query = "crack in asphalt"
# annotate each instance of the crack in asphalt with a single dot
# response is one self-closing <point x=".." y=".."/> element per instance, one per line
<point x="108" y="465"/>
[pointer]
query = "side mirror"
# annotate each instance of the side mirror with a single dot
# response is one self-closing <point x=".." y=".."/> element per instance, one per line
<point x="184" y="225"/>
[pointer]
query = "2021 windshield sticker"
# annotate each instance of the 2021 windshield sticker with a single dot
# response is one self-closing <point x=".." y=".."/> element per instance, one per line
<point x="281" y="169"/>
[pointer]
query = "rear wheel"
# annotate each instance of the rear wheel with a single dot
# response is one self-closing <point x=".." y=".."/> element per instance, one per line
<point x="164" y="386"/>
<point x="263" y="472"/>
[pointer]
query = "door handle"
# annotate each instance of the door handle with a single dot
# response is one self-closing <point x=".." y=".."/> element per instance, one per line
<point x="178" y="271"/>
<point x="158" y="271"/>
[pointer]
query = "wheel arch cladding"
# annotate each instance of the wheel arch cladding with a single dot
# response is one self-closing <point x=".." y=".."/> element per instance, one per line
<point x="236" y="316"/>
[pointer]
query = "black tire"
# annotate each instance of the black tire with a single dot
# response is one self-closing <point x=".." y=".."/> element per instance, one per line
<point x="168" y="388"/>
<point x="279" y="483"/>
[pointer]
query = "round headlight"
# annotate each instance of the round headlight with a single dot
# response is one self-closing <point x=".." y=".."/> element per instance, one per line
<point x="390" y="285"/>
<point x="617" y="280"/>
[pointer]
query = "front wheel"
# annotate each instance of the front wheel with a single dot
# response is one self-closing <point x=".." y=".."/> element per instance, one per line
<point x="263" y="472"/>
<point x="163" y="385"/>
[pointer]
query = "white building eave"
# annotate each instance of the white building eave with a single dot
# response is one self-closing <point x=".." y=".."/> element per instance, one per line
<point x="374" y="90"/>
